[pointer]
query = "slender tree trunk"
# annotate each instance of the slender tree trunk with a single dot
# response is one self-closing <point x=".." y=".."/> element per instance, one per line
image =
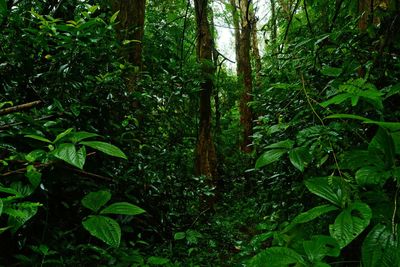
<point x="244" y="71"/>
<point x="236" y="26"/>
<point x="364" y="9"/>
<point x="255" y="49"/>
<point x="131" y="28"/>
<point x="206" y="162"/>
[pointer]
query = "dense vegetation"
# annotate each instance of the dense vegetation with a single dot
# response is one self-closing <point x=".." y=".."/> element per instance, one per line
<point x="125" y="140"/>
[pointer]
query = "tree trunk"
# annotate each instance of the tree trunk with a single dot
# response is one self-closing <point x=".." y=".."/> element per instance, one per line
<point x="131" y="28"/>
<point x="244" y="72"/>
<point x="255" y="49"/>
<point x="236" y="26"/>
<point x="364" y="8"/>
<point x="206" y="162"/>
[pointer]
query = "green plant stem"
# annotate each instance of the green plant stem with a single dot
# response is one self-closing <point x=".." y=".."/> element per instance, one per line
<point x="322" y="122"/>
<point x="394" y="228"/>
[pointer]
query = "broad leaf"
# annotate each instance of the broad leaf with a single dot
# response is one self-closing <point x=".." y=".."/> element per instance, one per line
<point x="20" y="214"/>
<point x="114" y="17"/>
<point x="300" y="157"/>
<point x="68" y="153"/>
<point x="1" y="206"/>
<point x="350" y="223"/>
<point x="37" y="137"/>
<point x="381" y="248"/>
<point x="329" y="188"/>
<point x="286" y="144"/>
<point x="95" y="200"/>
<point x="321" y="246"/>
<point x="276" y="257"/>
<point x="104" y="228"/>
<point x="312" y="214"/>
<point x="123" y="208"/>
<point x="105" y="148"/>
<point x="62" y="135"/>
<point x="269" y="157"/>
<point x="79" y="136"/>
<point x="371" y="175"/>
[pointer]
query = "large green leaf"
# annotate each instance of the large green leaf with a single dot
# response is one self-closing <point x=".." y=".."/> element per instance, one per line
<point x="105" y="148"/>
<point x="157" y="260"/>
<point x="67" y="152"/>
<point x="62" y="135"/>
<point x="321" y="246"/>
<point x="1" y="206"/>
<point x="300" y="157"/>
<point x="384" y="142"/>
<point x="20" y="213"/>
<point x="269" y="157"/>
<point x="95" y="200"/>
<point x="104" y="228"/>
<point x="329" y="188"/>
<point x="276" y="257"/>
<point x="381" y="248"/>
<point x="79" y="136"/>
<point x="122" y="208"/>
<point x="38" y="137"/>
<point x="286" y="144"/>
<point x="311" y="214"/>
<point x="350" y="223"/>
<point x="371" y="175"/>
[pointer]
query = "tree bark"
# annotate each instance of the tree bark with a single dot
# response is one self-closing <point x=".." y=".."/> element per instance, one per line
<point x="131" y="28"/>
<point x="244" y="72"/>
<point x="206" y="162"/>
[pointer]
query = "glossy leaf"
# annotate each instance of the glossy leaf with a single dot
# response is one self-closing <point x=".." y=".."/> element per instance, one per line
<point x="95" y="200"/>
<point x="67" y="152"/>
<point x="157" y="261"/>
<point x="331" y="71"/>
<point x="79" y="136"/>
<point x="321" y="246"/>
<point x="105" y="148"/>
<point x="269" y="157"/>
<point x="381" y="248"/>
<point x="123" y="208"/>
<point x="104" y="228"/>
<point x="371" y="175"/>
<point x="62" y="135"/>
<point x="286" y="144"/>
<point x="37" y="137"/>
<point x="300" y="157"/>
<point x="350" y="223"/>
<point x="312" y="214"/>
<point x="328" y="188"/>
<point x="276" y="257"/>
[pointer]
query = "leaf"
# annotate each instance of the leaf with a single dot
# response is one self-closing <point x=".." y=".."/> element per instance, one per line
<point x="1" y="206"/>
<point x="331" y="71"/>
<point x="286" y="144"/>
<point x="269" y="157"/>
<point x="62" y="135"/>
<point x="95" y="200"/>
<point x="33" y="175"/>
<point x="105" y="148"/>
<point x="383" y="141"/>
<point x="68" y="153"/>
<point x="350" y="223"/>
<point x="321" y="186"/>
<point x="20" y="214"/>
<point x="300" y="157"/>
<point x="35" y="154"/>
<point x="157" y="260"/>
<point x="104" y="228"/>
<point x="381" y="248"/>
<point x="391" y="126"/>
<point x="123" y="208"/>
<point x="312" y="214"/>
<point x="114" y="17"/>
<point x="39" y="138"/>
<point x="276" y="257"/>
<point x="371" y="175"/>
<point x="336" y="100"/>
<point x="79" y="136"/>
<point x="179" y="236"/>
<point x="321" y="246"/>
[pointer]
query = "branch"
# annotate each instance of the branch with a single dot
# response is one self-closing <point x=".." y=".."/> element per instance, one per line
<point x="29" y="105"/>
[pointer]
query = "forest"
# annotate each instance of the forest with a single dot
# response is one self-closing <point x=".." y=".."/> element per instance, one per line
<point x="200" y="133"/>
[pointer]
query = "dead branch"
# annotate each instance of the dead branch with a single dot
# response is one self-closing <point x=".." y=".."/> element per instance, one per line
<point x="17" y="108"/>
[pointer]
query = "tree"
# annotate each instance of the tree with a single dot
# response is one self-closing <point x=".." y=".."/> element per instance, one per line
<point x="206" y="163"/>
<point x="243" y="44"/>
<point x="130" y="31"/>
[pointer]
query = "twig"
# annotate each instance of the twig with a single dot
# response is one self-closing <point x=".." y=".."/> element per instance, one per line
<point x="4" y="127"/>
<point x="9" y="110"/>
<point x="88" y="174"/>
<point x="394" y="230"/>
